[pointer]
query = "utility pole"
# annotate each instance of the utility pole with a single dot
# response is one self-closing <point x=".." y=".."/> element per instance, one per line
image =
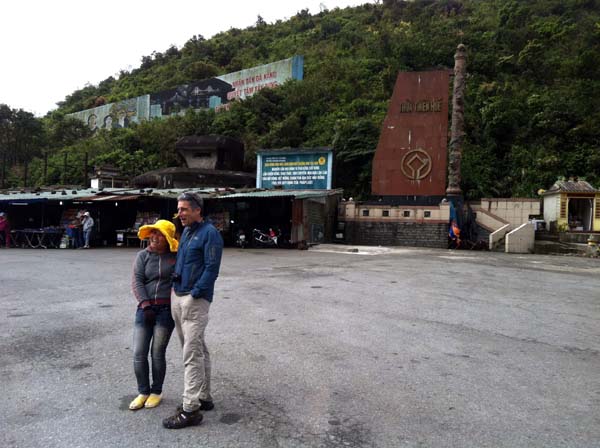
<point x="457" y="132"/>
<point x="45" y="167"/>
<point x="85" y="170"/>
<point x="64" y="176"/>
<point x="4" y="169"/>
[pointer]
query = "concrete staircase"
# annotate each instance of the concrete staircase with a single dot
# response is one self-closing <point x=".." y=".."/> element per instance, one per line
<point x="494" y="226"/>
<point x="504" y="237"/>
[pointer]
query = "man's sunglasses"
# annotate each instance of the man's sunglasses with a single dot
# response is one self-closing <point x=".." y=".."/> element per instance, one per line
<point x="190" y="198"/>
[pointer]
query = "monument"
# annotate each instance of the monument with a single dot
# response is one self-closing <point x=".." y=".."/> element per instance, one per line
<point x="413" y="198"/>
<point x="410" y="161"/>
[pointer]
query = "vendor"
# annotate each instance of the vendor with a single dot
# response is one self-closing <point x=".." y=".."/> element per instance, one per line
<point x="5" y="229"/>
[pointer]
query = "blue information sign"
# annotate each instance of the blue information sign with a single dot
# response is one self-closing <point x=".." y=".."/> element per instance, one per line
<point x="299" y="171"/>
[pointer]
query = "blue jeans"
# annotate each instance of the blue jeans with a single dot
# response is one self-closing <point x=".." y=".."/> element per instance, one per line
<point x="86" y="236"/>
<point x="77" y="237"/>
<point x="155" y="339"/>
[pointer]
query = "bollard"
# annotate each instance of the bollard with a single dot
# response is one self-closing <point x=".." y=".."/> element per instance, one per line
<point x="593" y="248"/>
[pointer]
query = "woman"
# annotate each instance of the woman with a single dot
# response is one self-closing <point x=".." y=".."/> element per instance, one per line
<point x="153" y="322"/>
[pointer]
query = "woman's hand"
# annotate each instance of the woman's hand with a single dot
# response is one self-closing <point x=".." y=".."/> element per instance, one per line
<point x="149" y="316"/>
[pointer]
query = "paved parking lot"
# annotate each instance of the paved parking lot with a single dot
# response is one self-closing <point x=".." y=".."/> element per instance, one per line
<point x="318" y="348"/>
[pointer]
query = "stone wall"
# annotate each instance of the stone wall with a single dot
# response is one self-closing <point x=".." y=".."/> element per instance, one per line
<point x="416" y="234"/>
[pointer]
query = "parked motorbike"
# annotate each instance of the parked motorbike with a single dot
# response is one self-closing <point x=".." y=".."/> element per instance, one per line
<point x="269" y="239"/>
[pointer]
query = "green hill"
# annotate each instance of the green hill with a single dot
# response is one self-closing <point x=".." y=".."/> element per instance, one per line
<point x="531" y="100"/>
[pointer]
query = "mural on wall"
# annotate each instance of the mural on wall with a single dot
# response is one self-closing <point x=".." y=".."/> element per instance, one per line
<point x="205" y="94"/>
<point x="214" y="93"/>
<point x="115" y="115"/>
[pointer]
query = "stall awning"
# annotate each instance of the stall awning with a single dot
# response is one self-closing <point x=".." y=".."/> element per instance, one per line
<point x="23" y="201"/>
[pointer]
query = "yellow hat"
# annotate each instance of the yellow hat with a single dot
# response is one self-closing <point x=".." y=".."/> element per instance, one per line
<point x="167" y="228"/>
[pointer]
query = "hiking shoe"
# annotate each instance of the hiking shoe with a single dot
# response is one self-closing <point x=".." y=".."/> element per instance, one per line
<point x="153" y="400"/>
<point x="138" y="402"/>
<point x="204" y="406"/>
<point x="183" y="419"/>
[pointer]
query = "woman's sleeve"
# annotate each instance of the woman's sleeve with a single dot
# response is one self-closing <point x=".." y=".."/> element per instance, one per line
<point x="138" y="279"/>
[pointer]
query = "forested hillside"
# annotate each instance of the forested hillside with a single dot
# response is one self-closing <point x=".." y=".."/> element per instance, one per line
<point x="531" y="103"/>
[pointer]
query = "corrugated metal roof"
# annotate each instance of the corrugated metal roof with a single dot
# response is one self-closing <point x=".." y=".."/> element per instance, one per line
<point x="55" y="195"/>
<point x="170" y="192"/>
<point x="123" y="194"/>
<point x="226" y="193"/>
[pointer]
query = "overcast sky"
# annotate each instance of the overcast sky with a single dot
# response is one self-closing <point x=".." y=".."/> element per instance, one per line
<point x="50" y="48"/>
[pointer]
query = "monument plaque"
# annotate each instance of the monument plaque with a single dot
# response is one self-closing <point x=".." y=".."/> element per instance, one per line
<point x="411" y="155"/>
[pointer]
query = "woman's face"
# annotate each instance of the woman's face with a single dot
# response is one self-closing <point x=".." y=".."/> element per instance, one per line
<point x="158" y="242"/>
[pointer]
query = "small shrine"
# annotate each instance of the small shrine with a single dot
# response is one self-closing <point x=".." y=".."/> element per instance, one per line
<point x="572" y="206"/>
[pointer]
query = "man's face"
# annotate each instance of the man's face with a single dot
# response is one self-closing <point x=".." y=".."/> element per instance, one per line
<point x="187" y="214"/>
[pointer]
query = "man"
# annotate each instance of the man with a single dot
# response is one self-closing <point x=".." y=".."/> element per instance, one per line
<point x="87" y="222"/>
<point x="196" y="270"/>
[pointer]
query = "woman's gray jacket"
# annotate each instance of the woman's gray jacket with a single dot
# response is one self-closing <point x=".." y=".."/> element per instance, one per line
<point x="151" y="281"/>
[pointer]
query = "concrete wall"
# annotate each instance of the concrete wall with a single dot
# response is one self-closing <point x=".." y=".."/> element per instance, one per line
<point x="521" y="240"/>
<point x="355" y="211"/>
<point x="551" y="208"/>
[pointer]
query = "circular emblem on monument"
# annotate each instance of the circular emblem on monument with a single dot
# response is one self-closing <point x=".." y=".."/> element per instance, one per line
<point x="416" y="164"/>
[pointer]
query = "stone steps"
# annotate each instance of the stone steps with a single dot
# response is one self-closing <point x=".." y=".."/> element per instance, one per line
<point x="556" y="247"/>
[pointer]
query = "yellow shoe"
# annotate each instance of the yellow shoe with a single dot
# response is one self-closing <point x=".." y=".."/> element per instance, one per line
<point x="138" y="402"/>
<point x="153" y="400"/>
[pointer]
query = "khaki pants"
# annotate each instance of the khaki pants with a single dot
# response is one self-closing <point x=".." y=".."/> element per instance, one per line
<point x="191" y="317"/>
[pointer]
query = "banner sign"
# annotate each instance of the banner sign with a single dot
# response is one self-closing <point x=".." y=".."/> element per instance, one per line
<point x="213" y="93"/>
<point x="247" y="82"/>
<point x="301" y="169"/>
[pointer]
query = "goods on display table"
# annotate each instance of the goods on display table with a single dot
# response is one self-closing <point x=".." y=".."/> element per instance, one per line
<point x="220" y="220"/>
<point x="71" y="222"/>
<point x="125" y="237"/>
<point x="46" y="237"/>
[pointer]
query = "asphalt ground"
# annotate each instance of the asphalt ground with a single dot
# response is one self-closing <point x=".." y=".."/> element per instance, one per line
<point x="318" y="348"/>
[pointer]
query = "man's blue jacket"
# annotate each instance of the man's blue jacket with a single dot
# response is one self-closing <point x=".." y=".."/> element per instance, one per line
<point x="198" y="261"/>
